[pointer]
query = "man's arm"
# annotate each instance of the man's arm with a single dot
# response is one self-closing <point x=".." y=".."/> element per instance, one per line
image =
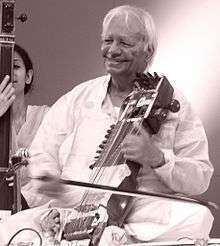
<point x="178" y="154"/>
<point x="44" y="150"/>
<point x="187" y="167"/>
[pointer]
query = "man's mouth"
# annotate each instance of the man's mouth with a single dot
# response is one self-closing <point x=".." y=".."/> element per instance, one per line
<point x="115" y="61"/>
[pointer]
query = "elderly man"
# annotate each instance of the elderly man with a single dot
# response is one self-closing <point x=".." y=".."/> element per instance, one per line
<point x="175" y="160"/>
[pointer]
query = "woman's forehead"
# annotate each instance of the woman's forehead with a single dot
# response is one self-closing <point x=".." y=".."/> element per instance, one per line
<point x="17" y="57"/>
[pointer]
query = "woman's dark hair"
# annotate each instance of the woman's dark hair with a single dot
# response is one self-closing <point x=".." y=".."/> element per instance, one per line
<point x="27" y="63"/>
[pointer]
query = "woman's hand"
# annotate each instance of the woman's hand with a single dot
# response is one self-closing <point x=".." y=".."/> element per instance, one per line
<point x="140" y="148"/>
<point x="7" y="95"/>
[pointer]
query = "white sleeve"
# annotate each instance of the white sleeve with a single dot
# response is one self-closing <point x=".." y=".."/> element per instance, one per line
<point x="45" y="147"/>
<point x="187" y="167"/>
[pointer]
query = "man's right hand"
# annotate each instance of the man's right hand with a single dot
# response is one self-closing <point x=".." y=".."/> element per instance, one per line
<point x="50" y="223"/>
<point x="50" y="186"/>
<point x="7" y="95"/>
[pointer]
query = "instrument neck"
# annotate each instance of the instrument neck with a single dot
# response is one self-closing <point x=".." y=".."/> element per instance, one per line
<point x="7" y="40"/>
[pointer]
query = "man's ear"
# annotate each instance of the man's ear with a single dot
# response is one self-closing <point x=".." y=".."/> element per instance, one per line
<point x="149" y="53"/>
<point x="29" y="76"/>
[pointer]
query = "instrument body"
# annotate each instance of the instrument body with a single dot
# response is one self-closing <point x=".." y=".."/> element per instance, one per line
<point x="147" y="105"/>
<point x="7" y="38"/>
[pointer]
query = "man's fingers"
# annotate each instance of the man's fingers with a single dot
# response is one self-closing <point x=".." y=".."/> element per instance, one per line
<point x="54" y="214"/>
<point x="56" y="228"/>
<point x="57" y="220"/>
<point x="144" y="132"/>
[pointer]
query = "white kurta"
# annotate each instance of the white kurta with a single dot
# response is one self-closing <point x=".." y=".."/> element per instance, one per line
<point x="66" y="143"/>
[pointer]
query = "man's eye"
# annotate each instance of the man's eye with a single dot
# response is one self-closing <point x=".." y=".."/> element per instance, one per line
<point x="126" y="44"/>
<point x="16" y="66"/>
<point x="107" y="41"/>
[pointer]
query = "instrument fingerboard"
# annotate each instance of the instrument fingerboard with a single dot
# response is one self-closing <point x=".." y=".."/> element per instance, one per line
<point x="6" y="67"/>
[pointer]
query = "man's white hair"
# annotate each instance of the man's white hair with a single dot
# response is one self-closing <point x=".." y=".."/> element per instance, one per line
<point x="147" y="26"/>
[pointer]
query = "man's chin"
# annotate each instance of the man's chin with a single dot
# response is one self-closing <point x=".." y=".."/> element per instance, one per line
<point x="115" y="71"/>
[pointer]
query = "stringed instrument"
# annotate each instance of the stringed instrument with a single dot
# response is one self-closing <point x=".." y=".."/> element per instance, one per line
<point x="7" y="40"/>
<point x="11" y="197"/>
<point x="148" y="105"/>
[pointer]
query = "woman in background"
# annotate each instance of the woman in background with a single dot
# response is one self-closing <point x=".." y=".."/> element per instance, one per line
<point x="25" y="119"/>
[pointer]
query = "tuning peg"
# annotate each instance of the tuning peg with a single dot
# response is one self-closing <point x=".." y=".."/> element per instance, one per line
<point x="92" y="166"/>
<point x="94" y="163"/>
<point x="22" y="17"/>
<point x="156" y="77"/>
<point x="97" y="216"/>
<point x="174" y="106"/>
<point x="109" y="131"/>
<point x="160" y="115"/>
<point x="150" y="75"/>
<point x="101" y="146"/>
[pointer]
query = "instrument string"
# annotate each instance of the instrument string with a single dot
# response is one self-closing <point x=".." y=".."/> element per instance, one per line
<point x="117" y="154"/>
<point x="94" y="179"/>
<point x="112" y="156"/>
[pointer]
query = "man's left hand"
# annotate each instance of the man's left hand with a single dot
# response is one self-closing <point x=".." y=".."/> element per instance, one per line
<point x="140" y="148"/>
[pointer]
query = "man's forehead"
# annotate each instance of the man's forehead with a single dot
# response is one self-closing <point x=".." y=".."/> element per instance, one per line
<point x="129" y="25"/>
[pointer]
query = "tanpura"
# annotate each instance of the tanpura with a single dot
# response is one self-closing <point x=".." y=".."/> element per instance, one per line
<point x="12" y="198"/>
<point x="7" y="39"/>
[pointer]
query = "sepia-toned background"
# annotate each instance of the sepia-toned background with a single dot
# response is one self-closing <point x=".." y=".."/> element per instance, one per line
<point x="63" y="39"/>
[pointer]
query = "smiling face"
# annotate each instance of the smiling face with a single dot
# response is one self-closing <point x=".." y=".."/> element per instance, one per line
<point x="123" y="48"/>
<point x="21" y="76"/>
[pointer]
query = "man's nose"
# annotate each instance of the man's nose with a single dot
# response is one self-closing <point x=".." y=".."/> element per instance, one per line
<point x="114" y="49"/>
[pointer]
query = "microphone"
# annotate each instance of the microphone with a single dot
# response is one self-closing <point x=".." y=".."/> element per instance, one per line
<point x="19" y="159"/>
<point x="23" y="152"/>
